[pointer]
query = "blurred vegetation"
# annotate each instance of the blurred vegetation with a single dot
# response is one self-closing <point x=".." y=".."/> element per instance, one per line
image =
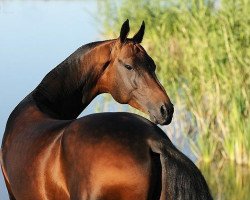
<point x="227" y="181"/>
<point x="202" y="52"/>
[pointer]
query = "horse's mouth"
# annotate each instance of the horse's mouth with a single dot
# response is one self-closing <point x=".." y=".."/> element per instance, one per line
<point x="161" y="121"/>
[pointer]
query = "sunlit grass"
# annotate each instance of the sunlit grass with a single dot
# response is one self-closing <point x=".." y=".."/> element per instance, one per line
<point x="203" y="56"/>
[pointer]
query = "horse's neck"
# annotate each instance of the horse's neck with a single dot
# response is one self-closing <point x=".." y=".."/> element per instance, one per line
<point x="69" y="88"/>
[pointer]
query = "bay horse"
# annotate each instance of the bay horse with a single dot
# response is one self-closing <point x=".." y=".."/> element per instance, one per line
<point x="49" y="154"/>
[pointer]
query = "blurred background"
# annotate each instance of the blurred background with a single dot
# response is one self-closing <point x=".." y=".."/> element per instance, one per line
<point x="202" y="52"/>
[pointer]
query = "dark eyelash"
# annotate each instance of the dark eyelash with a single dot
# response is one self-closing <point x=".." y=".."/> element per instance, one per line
<point x="128" y="67"/>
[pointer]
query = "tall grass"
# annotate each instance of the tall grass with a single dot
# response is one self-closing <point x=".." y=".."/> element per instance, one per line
<point x="227" y="181"/>
<point x="202" y="50"/>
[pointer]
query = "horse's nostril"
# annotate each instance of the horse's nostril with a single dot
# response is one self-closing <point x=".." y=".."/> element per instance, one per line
<point x="163" y="110"/>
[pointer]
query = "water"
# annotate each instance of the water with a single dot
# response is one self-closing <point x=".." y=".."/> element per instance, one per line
<point x="35" y="36"/>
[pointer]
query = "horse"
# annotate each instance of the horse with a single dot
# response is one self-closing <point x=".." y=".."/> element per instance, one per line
<point x="48" y="153"/>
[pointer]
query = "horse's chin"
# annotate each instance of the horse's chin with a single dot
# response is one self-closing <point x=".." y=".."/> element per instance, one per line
<point x="166" y="121"/>
<point x="153" y="119"/>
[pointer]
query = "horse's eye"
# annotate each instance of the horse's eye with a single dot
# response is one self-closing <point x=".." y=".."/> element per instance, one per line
<point x="128" y="67"/>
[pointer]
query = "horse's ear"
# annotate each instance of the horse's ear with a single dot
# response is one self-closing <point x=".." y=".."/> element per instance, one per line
<point x="124" y="31"/>
<point x="139" y="35"/>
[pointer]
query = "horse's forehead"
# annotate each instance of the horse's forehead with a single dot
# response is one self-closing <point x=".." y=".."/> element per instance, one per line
<point x="135" y="51"/>
<point x="138" y="56"/>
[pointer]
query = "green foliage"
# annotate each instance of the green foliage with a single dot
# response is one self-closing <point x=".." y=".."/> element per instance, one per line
<point x="202" y="51"/>
<point x="227" y="181"/>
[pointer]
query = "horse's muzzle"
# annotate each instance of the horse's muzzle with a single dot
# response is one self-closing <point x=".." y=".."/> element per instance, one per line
<point x="162" y="115"/>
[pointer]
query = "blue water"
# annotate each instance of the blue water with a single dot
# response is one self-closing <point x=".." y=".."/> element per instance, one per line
<point x="35" y="36"/>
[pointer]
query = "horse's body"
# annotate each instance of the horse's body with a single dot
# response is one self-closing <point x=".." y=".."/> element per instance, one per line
<point x="101" y="156"/>
<point x="87" y="158"/>
<point x="49" y="154"/>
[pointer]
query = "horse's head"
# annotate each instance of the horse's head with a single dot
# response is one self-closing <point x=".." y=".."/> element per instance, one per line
<point x="130" y="78"/>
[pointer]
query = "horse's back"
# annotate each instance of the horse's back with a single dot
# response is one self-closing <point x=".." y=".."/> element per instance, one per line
<point x="115" y="159"/>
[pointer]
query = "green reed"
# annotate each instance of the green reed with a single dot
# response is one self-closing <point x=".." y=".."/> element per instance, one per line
<point x="202" y="52"/>
<point x="227" y="181"/>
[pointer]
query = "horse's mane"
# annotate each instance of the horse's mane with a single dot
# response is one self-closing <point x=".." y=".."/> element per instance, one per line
<point x="67" y="78"/>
